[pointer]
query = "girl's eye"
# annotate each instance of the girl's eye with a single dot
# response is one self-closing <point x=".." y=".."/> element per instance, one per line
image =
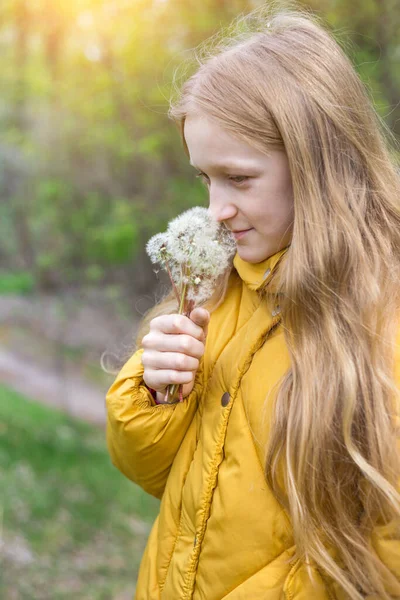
<point x="235" y="178"/>
<point x="239" y="178"/>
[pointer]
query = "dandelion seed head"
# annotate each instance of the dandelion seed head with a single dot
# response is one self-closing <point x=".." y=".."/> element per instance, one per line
<point x="201" y="293"/>
<point x="196" y="250"/>
<point x="156" y="247"/>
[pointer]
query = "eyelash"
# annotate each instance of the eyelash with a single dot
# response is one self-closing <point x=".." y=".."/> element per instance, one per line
<point x="243" y="178"/>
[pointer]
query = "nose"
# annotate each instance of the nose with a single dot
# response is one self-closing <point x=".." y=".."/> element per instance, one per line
<point x="220" y="206"/>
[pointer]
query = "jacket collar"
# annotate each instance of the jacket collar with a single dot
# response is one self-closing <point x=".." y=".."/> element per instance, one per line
<point x="255" y="275"/>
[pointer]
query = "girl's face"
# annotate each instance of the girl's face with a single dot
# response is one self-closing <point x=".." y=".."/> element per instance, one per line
<point x="249" y="191"/>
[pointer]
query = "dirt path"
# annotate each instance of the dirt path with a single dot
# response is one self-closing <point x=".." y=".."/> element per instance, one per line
<point x="68" y="391"/>
<point x="50" y="351"/>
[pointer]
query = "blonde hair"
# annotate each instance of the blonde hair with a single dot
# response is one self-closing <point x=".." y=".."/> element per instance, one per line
<point x="277" y="78"/>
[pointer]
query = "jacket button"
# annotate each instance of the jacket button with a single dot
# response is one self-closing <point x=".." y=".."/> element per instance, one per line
<point x="225" y="399"/>
<point x="276" y="311"/>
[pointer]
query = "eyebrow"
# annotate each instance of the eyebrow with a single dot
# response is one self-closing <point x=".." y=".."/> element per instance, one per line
<point x="228" y="166"/>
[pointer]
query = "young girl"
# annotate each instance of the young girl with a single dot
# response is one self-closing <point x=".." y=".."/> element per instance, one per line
<point x="279" y="472"/>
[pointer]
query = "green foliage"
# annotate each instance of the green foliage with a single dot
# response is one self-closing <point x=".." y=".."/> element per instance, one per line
<point x="63" y="496"/>
<point x="16" y="283"/>
<point x="85" y="95"/>
<point x="96" y="232"/>
<point x="113" y="243"/>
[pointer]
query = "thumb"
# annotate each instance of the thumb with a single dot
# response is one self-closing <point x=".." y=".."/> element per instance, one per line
<point x="201" y="317"/>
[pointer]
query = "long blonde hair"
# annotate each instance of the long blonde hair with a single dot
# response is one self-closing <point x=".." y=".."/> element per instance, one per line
<point x="277" y="78"/>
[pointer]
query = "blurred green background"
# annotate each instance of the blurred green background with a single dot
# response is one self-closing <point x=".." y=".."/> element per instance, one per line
<point x="90" y="168"/>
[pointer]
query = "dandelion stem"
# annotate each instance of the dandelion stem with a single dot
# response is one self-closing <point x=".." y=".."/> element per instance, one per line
<point x="172" y="388"/>
<point x="172" y="281"/>
<point x="182" y="303"/>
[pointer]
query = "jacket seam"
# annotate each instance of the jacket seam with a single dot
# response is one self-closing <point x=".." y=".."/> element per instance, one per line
<point x="268" y="564"/>
<point x="204" y="506"/>
<point x="162" y="583"/>
<point x="179" y="530"/>
<point x="212" y="483"/>
<point x="331" y="593"/>
<point x="265" y="336"/>
<point x="289" y="595"/>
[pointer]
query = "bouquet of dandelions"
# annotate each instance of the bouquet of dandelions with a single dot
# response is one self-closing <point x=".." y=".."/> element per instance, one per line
<point x="195" y="251"/>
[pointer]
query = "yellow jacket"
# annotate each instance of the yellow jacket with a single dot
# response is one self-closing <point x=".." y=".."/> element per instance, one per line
<point x="220" y="533"/>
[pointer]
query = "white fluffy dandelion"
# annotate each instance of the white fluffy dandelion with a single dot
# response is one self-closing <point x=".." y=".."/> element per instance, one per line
<point x="195" y="251"/>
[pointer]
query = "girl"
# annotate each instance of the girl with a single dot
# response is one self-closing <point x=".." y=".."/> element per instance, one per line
<point x="279" y="472"/>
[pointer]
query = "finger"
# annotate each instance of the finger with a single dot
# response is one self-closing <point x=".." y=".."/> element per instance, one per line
<point x="176" y="324"/>
<point x="169" y="360"/>
<point x="185" y="344"/>
<point x="201" y="317"/>
<point x="159" y="380"/>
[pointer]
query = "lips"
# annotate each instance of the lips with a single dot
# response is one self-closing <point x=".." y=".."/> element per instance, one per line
<point x="240" y="233"/>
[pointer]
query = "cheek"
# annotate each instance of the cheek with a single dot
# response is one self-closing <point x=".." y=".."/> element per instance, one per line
<point x="284" y="212"/>
<point x="271" y="205"/>
<point x="272" y="190"/>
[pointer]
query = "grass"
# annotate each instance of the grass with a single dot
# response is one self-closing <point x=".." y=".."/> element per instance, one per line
<point x="16" y="283"/>
<point x="71" y="524"/>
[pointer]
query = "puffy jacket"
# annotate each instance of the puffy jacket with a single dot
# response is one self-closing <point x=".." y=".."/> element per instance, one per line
<point x="220" y="533"/>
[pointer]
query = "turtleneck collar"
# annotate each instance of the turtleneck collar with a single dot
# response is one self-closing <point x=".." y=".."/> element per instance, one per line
<point x="254" y="275"/>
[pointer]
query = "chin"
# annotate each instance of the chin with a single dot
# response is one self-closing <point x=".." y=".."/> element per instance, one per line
<point x="253" y="255"/>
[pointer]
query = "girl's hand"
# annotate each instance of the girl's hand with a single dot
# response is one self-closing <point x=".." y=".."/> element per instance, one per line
<point x="172" y="350"/>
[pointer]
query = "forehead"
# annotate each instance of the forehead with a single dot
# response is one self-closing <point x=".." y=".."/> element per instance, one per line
<point x="210" y="144"/>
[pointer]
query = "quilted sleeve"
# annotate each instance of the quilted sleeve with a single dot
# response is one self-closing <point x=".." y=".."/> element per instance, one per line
<point x="142" y="436"/>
